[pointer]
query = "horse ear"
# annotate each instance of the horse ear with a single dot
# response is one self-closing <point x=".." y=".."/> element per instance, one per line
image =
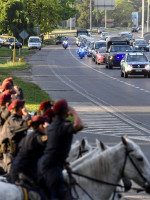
<point x="103" y="146"/>
<point x="98" y="143"/>
<point x="83" y="143"/>
<point x="124" y="140"/>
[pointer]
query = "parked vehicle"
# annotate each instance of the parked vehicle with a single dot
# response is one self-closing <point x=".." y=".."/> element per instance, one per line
<point x="34" y="42"/>
<point x="8" y="41"/>
<point x="140" y="44"/>
<point x="135" y="63"/>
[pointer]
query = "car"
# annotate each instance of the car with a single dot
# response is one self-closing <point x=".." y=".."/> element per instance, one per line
<point x="101" y="29"/>
<point x="116" y="48"/>
<point x="135" y="63"/>
<point x="60" y="39"/>
<point x="96" y="46"/>
<point x="34" y="42"/>
<point x="134" y="29"/>
<point x="8" y="41"/>
<point x="128" y="36"/>
<point x="104" y="35"/>
<point x="140" y="44"/>
<point x="140" y="27"/>
<point x="100" y="56"/>
<point x="90" y="48"/>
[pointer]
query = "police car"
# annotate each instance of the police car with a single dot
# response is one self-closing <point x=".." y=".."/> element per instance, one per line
<point x="135" y="63"/>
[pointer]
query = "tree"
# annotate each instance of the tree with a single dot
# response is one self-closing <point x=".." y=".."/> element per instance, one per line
<point x="122" y="14"/>
<point x="84" y="9"/>
<point x="12" y="17"/>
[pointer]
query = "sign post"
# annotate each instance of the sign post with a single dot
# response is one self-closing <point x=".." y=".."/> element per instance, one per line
<point x="104" y="5"/>
<point x="23" y="35"/>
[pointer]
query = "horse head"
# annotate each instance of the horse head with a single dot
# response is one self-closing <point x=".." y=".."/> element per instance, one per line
<point x="136" y="165"/>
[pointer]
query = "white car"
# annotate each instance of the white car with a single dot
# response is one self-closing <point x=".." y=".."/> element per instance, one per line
<point x="34" y="42"/>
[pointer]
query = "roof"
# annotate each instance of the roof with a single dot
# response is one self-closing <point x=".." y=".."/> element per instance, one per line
<point x="108" y="20"/>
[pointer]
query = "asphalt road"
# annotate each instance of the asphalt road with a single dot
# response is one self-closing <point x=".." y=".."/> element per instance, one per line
<point x="110" y="106"/>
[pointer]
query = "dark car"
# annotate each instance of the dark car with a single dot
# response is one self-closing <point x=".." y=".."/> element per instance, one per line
<point x="8" y="41"/>
<point x="135" y="63"/>
<point x="60" y="39"/>
<point x="140" y="44"/>
<point x="128" y="36"/>
<point x="116" y="48"/>
<point x="134" y="29"/>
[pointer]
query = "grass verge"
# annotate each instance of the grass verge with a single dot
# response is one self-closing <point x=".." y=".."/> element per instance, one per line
<point x="33" y="95"/>
<point x="6" y="52"/>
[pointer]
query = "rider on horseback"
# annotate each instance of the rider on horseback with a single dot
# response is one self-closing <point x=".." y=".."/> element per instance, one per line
<point x="52" y="163"/>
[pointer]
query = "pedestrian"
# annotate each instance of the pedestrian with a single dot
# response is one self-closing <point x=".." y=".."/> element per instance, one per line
<point x="51" y="164"/>
<point x="13" y="131"/>
<point x="44" y="106"/>
<point x="31" y="149"/>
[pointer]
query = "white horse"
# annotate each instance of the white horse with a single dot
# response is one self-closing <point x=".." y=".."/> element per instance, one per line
<point x="125" y="159"/>
<point x="80" y="148"/>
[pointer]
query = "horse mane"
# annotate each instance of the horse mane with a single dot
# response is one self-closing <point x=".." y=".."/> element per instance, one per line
<point x="98" y="158"/>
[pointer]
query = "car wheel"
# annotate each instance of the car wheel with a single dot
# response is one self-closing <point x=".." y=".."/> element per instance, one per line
<point x="95" y="61"/>
<point x="122" y="75"/>
<point x="125" y="75"/>
<point x="148" y="75"/>
<point x="109" y="66"/>
<point x="145" y="75"/>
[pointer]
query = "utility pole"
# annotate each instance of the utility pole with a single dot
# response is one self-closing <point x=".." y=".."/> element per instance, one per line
<point x="148" y="16"/>
<point x="90" y="15"/>
<point x="105" y="18"/>
<point x="142" y="19"/>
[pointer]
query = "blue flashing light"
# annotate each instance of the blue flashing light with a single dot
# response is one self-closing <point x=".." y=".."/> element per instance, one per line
<point x="120" y="57"/>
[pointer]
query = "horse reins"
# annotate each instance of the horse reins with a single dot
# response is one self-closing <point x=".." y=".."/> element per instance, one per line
<point x="112" y="184"/>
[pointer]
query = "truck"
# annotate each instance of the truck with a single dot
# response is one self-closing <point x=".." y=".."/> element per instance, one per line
<point x="116" y="48"/>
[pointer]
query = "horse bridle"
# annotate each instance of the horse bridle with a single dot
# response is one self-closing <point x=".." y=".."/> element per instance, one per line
<point x="127" y="155"/>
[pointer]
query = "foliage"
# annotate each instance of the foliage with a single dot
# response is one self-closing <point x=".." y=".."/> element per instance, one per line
<point x="17" y="15"/>
<point x="12" y="18"/>
<point x="84" y="9"/>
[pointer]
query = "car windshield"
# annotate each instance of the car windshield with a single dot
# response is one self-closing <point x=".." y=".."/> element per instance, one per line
<point x="12" y="40"/>
<point x="141" y="42"/>
<point x="34" y="40"/>
<point x="102" y="50"/>
<point x="116" y="48"/>
<point x="100" y="44"/>
<point x="126" y="35"/>
<point x="138" y="58"/>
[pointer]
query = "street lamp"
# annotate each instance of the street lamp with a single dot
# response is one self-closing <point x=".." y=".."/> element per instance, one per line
<point x="142" y="33"/>
<point x="90" y="15"/>
<point x="147" y="15"/>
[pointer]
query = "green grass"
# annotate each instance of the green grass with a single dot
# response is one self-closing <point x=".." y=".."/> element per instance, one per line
<point x="6" y="52"/>
<point x="33" y="95"/>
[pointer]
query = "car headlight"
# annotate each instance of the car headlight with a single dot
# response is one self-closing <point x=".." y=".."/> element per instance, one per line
<point x="147" y="67"/>
<point x="136" y="46"/>
<point x="111" y="57"/>
<point x="128" y="68"/>
<point x="147" y="46"/>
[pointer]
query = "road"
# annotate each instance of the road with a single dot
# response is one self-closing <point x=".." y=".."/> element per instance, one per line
<point x="110" y="106"/>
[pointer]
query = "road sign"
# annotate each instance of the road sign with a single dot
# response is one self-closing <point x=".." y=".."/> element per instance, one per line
<point x="104" y="4"/>
<point x="23" y="34"/>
